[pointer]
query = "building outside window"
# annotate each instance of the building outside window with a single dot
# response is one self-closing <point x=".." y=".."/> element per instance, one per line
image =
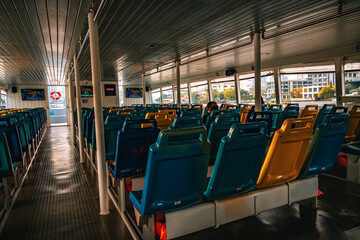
<point x="199" y="93"/>
<point x="156" y="96"/>
<point x="168" y="97"/>
<point x="3" y="99"/>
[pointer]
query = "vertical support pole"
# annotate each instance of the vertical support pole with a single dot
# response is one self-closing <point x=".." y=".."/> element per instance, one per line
<point x="71" y="106"/>
<point x="161" y="95"/>
<point x="143" y="88"/>
<point x="78" y="107"/>
<point x="174" y="95"/>
<point x="189" y="91"/>
<point x="339" y="80"/>
<point x="237" y="88"/>
<point x="257" y="65"/>
<point x="277" y="81"/>
<point x="177" y="65"/>
<point x="210" y="90"/>
<point x="98" y="111"/>
<point x="47" y="94"/>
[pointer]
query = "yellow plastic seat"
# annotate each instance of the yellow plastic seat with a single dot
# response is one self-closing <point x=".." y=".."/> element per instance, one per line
<point x="244" y="112"/>
<point x="287" y="152"/>
<point x="163" y="120"/>
<point x="354" y="123"/>
<point x="310" y="111"/>
<point x="170" y="112"/>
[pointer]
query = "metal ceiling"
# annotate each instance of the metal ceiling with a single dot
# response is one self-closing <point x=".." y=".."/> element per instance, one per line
<point x="133" y="34"/>
<point x="38" y="39"/>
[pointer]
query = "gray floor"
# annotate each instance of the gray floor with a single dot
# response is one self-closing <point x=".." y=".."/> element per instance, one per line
<point x="59" y="199"/>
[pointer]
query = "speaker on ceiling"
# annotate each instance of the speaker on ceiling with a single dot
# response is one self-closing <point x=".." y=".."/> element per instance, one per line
<point x="14" y="89"/>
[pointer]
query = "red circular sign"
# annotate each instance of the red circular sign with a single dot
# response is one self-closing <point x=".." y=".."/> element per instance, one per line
<point x="55" y="95"/>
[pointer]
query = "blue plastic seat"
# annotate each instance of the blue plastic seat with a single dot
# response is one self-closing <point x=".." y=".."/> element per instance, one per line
<point x="186" y="122"/>
<point x="290" y="111"/>
<point x="115" y="118"/>
<point x="265" y="107"/>
<point x="110" y="133"/>
<point x="323" y="112"/>
<point x="132" y="147"/>
<point x="211" y="117"/>
<point x="265" y="116"/>
<point x="191" y="112"/>
<point x="175" y="174"/>
<point x="325" y="145"/>
<point x="218" y="129"/>
<point x="239" y="160"/>
<point x="276" y="113"/>
<point x="6" y="167"/>
<point x="13" y="140"/>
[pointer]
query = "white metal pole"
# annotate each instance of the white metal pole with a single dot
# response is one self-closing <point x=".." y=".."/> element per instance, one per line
<point x="189" y="91"/>
<point x="237" y="88"/>
<point x="47" y="94"/>
<point x="71" y="106"/>
<point x="143" y="88"/>
<point x="78" y="107"/>
<point x="209" y="90"/>
<point x="257" y="65"/>
<point x="98" y="111"/>
<point x="174" y="95"/>
<point x="177" y="65"/>
<point x="339" y="80"/>
<point x="277" y="81"/>
<point x="161" y="95"/>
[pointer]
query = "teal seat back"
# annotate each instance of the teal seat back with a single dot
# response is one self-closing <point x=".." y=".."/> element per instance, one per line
<point x="175" y="174"/>
<point x="323" y="112"/>
<point x="191" y="112"/>
<point x="325" y="144"/>
<point x="110" y="133"/>
<point x="211" y="117"/>
<point x="6" y="167"/>
<point x="115" y="118"/>
<point x="276" y="114"/>
<point x="218" y="129"/>
<point x="289" y="112"/>
<point x="186" y="122"/>
<point x="239" y="160"/>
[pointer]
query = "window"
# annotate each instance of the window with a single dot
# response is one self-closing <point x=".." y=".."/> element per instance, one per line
<point x="3" y="100"/>
<point x="309" y="85"/>
<point x="247" y="87"/>
<point x="168" y="96"/>
<point x="121" y="97"/>
<point x="156" y="96"/>
<point x="223" y="90"/>
<point x="199" y="93"/>
<point x="352" y="79"/>
<point x="184" y="93"/>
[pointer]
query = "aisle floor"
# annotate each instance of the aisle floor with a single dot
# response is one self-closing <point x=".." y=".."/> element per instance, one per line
<point x="59" y="200"/>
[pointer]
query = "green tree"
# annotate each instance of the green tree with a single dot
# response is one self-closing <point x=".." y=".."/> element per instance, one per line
<point x="327" y="92"/>
<point x="347" y="87"/>
<point x="230" y="94"/>
<point x="243" y="92"/>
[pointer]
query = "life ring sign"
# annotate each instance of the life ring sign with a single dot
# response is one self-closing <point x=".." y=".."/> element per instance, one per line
<point x="55" y="95"/>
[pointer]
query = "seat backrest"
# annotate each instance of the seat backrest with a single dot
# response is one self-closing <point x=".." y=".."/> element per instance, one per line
<point x="211" y="117"/>
<point x="239" y="160"/>
<point x="323" y="112"/>
<point x="310" y="111"/>
<point x="162" y="118"/>
<point x="110" y="132"/>
<point x="13" y="140"/>
<point x="170" y="112"/>
<point x="183" y="106"/>
<point x="186" y="122"/>
<point x="244" y="112"/>
<point x="132" y="147"/>
<point x="265" y="107"/>
<point x="287" y="151"/>
<point x="354" y="123"/>
<point x="265" y="116"/>
<point x="197" y="106"/>
<point x="115" y="118"/>
<point x="288" y="113"/>
<point x="218" y="129"/>
<point x="176" y="171"/>
<point x="275" y="106"/>
<point x="6" y="168"/>
<point x="232" y="107"/>
<point x="191" y="112"/>
<point x="338" y="110"/>
<point x="325" y="145"/>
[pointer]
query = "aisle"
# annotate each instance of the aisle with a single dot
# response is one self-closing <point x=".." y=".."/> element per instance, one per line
<point x="59" y="198"/>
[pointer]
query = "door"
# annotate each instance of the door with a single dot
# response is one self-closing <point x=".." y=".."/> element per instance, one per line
<point x="57" y="105"/>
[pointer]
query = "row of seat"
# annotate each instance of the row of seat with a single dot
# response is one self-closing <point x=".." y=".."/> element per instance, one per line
<point x="21" y="131"/>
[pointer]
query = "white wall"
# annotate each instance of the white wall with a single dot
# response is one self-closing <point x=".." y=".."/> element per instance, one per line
<point x="14" y="99"/>
<point x="130" y="101"/>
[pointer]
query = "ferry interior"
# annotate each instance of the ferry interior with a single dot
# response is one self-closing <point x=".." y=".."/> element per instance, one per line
<point x="159" y="119"/>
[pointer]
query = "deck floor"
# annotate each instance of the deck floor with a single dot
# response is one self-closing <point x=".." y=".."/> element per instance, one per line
<point x="59" y="200"/>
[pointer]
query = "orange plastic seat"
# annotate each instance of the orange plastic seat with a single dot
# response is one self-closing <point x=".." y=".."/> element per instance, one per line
<point x="163" y="120"/>
<point x="354" y="123"/>
<point x="287" y="152"/>
<point x="310" y="111"/>
<point x="170" y="112"/>
<point x="244" y="112"/>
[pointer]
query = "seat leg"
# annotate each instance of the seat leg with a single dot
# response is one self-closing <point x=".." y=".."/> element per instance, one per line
<point x="149" y="232"/>
<point x="7" y="193"/>
<point x="310" y="203"/>
<point x="121" y="195"/>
